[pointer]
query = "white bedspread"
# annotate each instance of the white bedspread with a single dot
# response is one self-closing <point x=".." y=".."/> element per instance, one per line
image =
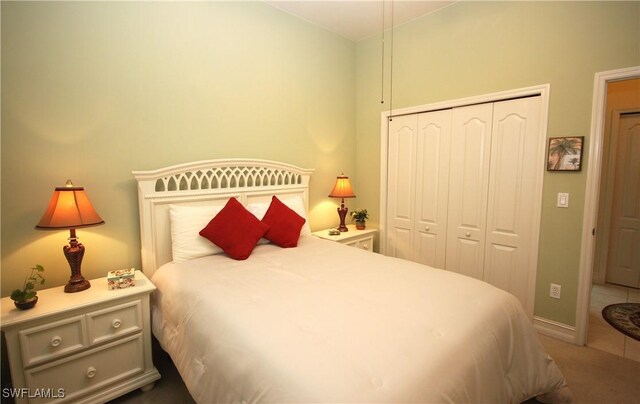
<point x="328" y="323"/>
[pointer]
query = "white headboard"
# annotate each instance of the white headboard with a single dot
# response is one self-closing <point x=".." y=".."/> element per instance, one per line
<point x="203" y="183"/>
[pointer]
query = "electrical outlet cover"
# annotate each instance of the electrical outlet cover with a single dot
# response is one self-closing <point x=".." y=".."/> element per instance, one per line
<point x="563" y="200"/>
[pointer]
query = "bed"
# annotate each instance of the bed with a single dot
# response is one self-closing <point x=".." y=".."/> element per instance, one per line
<point x="321" y="322"/>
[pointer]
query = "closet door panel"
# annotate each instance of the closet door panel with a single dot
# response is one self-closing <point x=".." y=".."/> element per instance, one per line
<point x="468" y="253"/>
<point x="499" y="257"/>
<point x="514" y="149"/>
<point x="432" y="187"/>
<point x="468" y="188"/>
<point x="400" y="243"/>
<point x="426" y="248"/>
<point x="401" y="194"/>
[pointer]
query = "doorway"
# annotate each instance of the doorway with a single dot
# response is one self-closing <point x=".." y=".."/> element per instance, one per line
<point x="619" y="209"/>
<point x="591" y="262"/>
<point x="617" y="265"/>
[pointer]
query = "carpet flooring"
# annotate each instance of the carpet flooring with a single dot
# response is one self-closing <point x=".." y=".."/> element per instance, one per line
<point x="594" y="377"/>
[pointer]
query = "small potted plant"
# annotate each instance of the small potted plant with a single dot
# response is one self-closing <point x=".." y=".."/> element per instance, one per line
<point x="360" y="216"/>
<point x="26" y="297"/>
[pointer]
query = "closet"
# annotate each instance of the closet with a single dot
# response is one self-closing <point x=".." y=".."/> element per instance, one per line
<point x="461" y="186"/>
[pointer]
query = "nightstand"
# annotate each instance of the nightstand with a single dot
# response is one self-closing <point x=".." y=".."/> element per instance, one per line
<point x="362" y="239"/>
<point x="89" y="346"/>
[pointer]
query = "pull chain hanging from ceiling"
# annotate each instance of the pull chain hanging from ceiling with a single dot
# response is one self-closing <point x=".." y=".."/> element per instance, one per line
<point x="389" y="117"/>
<point x="382" y="61"/>
<point x="391" y="67"/>
<point x="390" y="59"/>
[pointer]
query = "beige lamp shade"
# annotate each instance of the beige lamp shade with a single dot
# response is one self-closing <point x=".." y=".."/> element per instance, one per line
<point x="69" y="208"/>
<point x="342" y="189"/>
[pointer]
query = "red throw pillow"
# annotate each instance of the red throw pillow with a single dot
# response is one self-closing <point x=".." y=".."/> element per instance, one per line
<point x="284" y="224"/>
<point x="235" y="230"/>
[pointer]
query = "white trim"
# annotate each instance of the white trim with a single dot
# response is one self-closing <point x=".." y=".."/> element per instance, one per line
<point x="384" y="148"/>
<point x="537" y="196"/>
<point x="217" y="163"/>
<point x="554" y="329"/>
<point x="594" y="170"/>
<point x="478" y="99"/>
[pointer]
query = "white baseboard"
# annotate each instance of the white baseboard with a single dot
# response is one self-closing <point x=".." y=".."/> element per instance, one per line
<point x="555" y="329"/>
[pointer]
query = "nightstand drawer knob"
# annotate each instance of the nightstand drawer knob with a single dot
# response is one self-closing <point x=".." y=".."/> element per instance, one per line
<point x="56" y="341"/>
<point x="427" y="228"/>
<point x="468" y="234"/>
<point x="116" y="323"/>
<point x="91" y="372"/>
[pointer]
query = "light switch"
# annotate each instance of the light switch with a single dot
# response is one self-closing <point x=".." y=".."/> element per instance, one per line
<point x="563" y="200"/>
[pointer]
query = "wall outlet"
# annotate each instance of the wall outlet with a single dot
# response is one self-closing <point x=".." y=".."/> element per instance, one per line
<point x="555" y="291"/>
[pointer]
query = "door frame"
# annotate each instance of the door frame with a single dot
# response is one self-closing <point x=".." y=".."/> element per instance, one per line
<point x="590" y="216"/>
<point x="539" y="90"/>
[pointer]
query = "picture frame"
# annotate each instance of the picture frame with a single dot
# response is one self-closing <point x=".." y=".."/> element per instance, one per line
<point x="565" y="153"/>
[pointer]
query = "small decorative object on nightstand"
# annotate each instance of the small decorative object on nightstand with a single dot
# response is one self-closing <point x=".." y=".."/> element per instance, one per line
<point x="27" y="297"/>
<point x="360" y="216"/>
<point x="362" y="239"/>
<point x="70" y="209"/>
<point x="342" y="190"/>
<point x="85" y="347"/>
<point x="121" y="278"/>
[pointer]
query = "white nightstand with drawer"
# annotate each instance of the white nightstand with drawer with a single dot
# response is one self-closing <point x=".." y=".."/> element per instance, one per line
<point x="362" y="239"/>
<point x="89" y="346"/>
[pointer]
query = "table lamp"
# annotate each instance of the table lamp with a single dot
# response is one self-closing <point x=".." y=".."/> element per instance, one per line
<point x="342" y="190"/>
<point x="70" y="208"/>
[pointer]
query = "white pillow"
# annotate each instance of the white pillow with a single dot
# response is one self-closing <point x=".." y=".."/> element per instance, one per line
<point x="186" y="223"/>
<point x="295" y="203"/>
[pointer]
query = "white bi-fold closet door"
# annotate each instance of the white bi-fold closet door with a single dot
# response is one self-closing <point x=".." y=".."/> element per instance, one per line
<point x="460" y="187"/>
<point x="418" y="152"/>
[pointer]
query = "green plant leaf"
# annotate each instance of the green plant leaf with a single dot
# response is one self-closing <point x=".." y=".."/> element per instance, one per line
<point x="17" y="295"/>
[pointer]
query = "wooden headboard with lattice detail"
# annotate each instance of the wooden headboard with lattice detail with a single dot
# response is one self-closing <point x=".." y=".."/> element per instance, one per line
<point x="210" y="182"/>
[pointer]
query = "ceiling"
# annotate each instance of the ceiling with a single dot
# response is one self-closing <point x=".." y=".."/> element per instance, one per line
<point x="357" y="19"/>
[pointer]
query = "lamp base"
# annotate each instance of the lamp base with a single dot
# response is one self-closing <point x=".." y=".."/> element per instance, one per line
<point x="74" y="252"/>
<point x="342" y="212"/>
<point x="77" y="286"/>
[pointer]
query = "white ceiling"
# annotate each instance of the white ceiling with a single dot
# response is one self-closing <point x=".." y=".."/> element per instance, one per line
<point x="357" y="19"/>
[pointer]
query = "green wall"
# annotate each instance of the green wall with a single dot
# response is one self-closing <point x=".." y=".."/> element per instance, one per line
<point x="475" y="48"/>
<point x="94" y="90"/>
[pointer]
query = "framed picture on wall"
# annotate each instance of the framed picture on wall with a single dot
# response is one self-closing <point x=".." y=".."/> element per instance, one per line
<point x="565" y="153"/>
